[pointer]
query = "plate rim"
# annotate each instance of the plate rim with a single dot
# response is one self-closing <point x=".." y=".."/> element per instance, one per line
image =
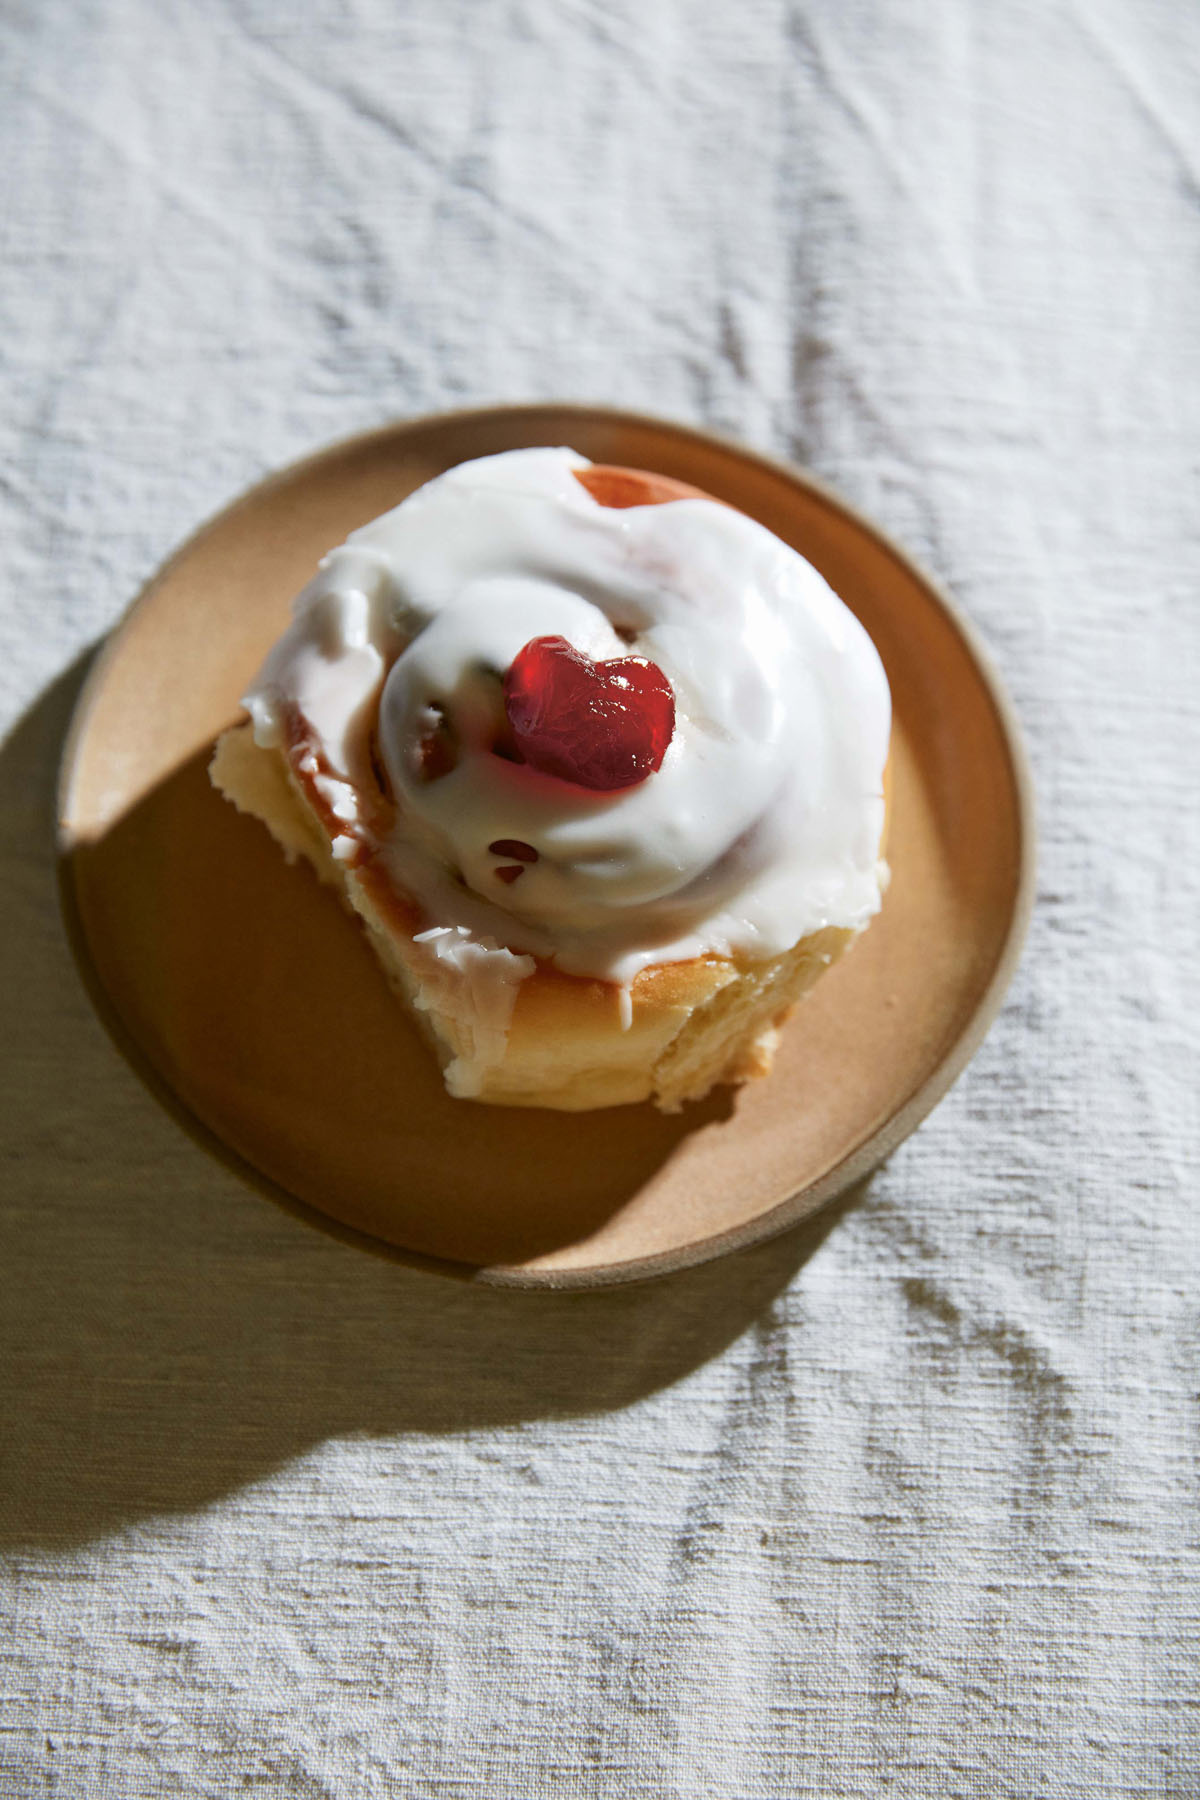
<point x="797" y="1207"/>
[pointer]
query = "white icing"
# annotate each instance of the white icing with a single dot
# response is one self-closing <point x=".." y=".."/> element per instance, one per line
<point x="491" y="976"/>
<point x="763" y="823"/>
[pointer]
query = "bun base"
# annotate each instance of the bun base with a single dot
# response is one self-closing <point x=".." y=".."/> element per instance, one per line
<point x="687" y="1026"/>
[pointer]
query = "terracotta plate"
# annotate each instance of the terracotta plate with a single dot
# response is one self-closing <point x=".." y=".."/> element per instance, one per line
<point x="251" y="1002"/>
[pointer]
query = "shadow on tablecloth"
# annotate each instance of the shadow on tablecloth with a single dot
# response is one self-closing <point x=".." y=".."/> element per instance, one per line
<point x="168" y="1336"/>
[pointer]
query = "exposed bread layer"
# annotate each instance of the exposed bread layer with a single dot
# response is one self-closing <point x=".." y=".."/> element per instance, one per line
<point x="569" y="1043"/>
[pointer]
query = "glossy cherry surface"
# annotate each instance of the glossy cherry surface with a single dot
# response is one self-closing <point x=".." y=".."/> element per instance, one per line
<point x="600" y="725"/>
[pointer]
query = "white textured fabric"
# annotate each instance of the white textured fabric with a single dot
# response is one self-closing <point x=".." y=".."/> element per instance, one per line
<point x="903" y="1505"/>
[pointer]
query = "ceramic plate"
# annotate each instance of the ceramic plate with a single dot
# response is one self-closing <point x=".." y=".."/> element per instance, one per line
<point x="250" y="1001"/>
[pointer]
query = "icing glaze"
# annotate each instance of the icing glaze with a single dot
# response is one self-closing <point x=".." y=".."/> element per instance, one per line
<point x="764" y="821"/>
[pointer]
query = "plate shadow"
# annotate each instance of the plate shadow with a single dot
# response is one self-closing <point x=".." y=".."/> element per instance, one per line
<point x="167" y="1338"/>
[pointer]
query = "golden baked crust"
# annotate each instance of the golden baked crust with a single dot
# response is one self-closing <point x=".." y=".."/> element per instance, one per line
<point x="692" y="1024"/>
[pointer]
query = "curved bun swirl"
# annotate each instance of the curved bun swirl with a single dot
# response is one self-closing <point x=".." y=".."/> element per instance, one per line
<point x="760" y="824"/>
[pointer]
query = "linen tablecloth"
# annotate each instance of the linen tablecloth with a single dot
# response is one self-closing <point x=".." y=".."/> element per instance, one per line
<point x="905" y="1503"/>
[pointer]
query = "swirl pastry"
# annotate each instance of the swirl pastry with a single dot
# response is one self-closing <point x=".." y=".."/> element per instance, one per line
<point x="598" y="761"/>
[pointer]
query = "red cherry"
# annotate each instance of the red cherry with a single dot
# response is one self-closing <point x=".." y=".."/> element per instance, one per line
<point x="601" y="725"/>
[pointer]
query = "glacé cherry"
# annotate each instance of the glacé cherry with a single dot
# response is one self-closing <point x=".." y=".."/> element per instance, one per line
<point x="601" y="725"/>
